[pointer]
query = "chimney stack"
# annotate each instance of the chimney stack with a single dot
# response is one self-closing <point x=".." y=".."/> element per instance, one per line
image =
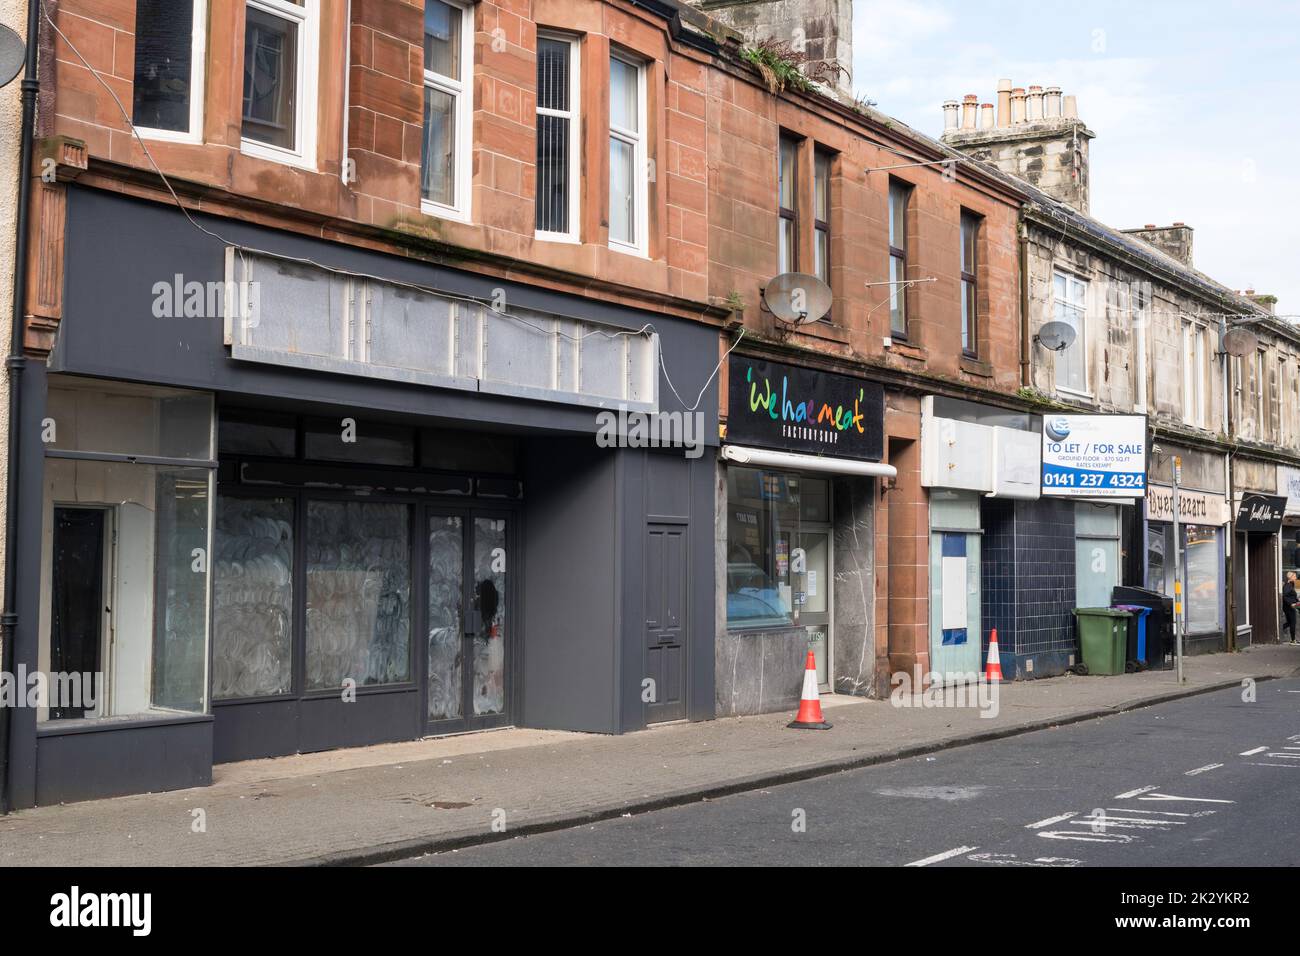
<point x="1174" y="241"/>
<point x="1036" y="135"/>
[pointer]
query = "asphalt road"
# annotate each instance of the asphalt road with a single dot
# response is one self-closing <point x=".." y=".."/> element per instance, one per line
<point x="1208" y="780"/>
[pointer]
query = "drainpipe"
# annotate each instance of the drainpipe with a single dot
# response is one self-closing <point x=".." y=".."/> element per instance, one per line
<point x="17" y="361"/>
<point x="1025" y="379"/>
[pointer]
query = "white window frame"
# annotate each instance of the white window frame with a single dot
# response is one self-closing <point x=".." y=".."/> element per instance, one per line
<point x="308" y="19"/>
<point x="1081" y="339"/>
<point x="198" y="73"/>
<point x="463" y="91"/>
<point x="640" y="201"/>
<point x="574" y="115"/>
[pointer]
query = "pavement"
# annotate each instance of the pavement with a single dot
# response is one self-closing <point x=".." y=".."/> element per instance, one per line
<point x="397" y="801"/>
<point x="1208" y="780"/>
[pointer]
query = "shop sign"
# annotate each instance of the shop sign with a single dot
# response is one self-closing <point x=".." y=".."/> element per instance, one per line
<point x="1260" y="514"/>
<point x="1194" y="507"/>
<point x="803" y="410"/>
<point x="1094" y="456"/>
<point x="1288" y="486"/>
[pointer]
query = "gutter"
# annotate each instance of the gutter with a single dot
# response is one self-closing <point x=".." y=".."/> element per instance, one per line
<point x="16" y="362"/>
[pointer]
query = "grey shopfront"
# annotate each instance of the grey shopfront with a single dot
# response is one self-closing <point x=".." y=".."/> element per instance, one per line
<point x="798" y="481"/>
<point x="345" y="514"/>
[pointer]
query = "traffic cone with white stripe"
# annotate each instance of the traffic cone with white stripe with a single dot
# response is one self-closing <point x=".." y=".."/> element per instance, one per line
<point x="993" y="669"/>
<point x="810" y="705"/>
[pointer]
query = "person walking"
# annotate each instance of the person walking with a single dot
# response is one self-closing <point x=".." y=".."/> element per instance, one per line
<point x="1290" y="600"/>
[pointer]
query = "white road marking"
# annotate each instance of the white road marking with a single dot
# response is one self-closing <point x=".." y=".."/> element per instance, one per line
<point x="1133" y="793"/>
<point x="1163" y="813"/>
<point x="1289" y="766"/>
<point x="1087" y="837"/>
<point x="1251" y="753"/>
<point x="1050" y="820"/>
<point x="1167" y="796"/>
<point x="1210" y="766"/>
<point x="940" y="857"/>
<point x="1283" y="756"/>
<point x="1147" y="821"/>
<point x="1009" y="859"/>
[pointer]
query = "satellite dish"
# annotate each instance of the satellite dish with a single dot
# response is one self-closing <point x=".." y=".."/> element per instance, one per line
<point x="797" y="298"/>
<point x="12" y="54"/>
<point x="1240" y="342"/>
<point x="1056" y="336"/>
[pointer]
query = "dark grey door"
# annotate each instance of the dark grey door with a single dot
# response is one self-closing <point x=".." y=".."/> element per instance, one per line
<point x="665" y="617"/>
<point x="469" y="620"/>
<point x="77" y="599"/>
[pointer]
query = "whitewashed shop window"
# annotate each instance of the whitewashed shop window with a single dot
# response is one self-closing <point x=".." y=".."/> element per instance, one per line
<point x="448" y="100"/>
<point x="167" y="84"/>
<point x="558" y="119"/>
<point x="1097" y="551"/>
<point x="629" y="169"/>
<point x="124" y="571"/>
<point x="281" y="50"/>
<point x="1069" y="305"/>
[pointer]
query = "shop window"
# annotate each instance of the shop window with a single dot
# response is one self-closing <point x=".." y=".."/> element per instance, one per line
<point x="358" y="590"/>
<point x="1097" y="551"/>
<point x="557" y="137"/>
<point x="125" y="562"/>
<point x="628" y="163"/>
<point x="1203" y="572"/>
<point x="362" y="442"/>
<point x="252" y="626"/>
<point x="766" y="517"/>
<point x="448" y="101"/>
<point x="167" y="84"/>
<point x="279" y="101"/>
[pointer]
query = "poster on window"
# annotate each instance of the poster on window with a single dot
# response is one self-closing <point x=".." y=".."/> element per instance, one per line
<point x="1094" y="456"/>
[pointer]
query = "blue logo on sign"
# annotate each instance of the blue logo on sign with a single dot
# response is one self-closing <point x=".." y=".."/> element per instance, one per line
<point x="1058" y="429"/>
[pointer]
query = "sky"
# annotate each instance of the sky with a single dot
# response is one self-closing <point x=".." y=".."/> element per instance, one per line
<point x="1196" y="107"/>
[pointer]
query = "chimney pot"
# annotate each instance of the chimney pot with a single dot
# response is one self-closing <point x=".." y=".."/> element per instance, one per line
<point x="1017" y="105"/>
<point x="1071" y="107"/>
<point x="951" y="114"/>
<point x="1004" y="102"/>
<point x="986" y="116"/>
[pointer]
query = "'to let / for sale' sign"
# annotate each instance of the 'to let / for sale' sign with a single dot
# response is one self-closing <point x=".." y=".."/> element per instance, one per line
<point x="1095" y="456"/>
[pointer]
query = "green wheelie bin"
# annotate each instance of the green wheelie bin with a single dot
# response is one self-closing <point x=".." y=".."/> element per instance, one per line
<point x="1103" y="635"/>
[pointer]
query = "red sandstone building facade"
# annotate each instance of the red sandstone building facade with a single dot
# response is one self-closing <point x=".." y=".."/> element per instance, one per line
<point x="360" y="500"/>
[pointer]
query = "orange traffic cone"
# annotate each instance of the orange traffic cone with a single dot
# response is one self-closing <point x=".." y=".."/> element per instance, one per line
<point x="810" y="705"/>
<point x="993" y="669"/>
